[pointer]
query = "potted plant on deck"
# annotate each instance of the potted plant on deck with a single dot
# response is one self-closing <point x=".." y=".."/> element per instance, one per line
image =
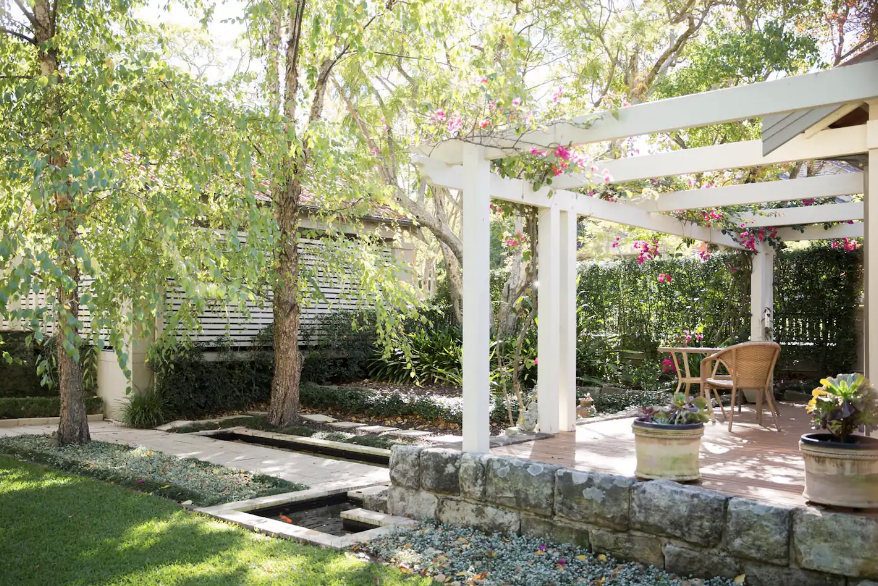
<point x="841" y="467"/>
<point x="668" y="439"/>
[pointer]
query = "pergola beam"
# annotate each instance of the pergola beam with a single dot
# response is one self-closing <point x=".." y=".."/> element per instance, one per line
<point x="519" y="191"/>
<point x="837" y="142"/>
<point x="821" y="233"/>
<point x="838" y="212"/>
<point x="754" y="193"/>
<point x="823" y="88"/>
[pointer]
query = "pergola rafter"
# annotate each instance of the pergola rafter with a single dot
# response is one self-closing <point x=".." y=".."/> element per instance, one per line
<point x="755" y="193"/>
<point x="464" y="164"/>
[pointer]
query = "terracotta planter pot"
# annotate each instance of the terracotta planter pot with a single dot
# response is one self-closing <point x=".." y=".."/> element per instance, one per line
<point x="843" y="474"/>
<point x="667" y="451"/>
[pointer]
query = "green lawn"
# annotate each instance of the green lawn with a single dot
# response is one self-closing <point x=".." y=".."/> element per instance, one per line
<point x="57" y="529"/>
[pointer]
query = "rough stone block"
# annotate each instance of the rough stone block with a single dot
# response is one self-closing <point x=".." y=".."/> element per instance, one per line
<point x="556" y="530"/>
<point x="693" y="514"/>
<point x="490" y="519"/>
<point x="440" y="470"/>
<point x="376" y="500"/>
<point x="703" y="563"/>
<point x="595" y="498"/>
<point x="769" y="575"/>
<point x="759" y="532"/>
<point x="407" y="502"/>
<point x="836" y="543"/>
<point x="645" y="549"/>
<point x="521" y="484"/>
<point x="473" y="474"/>
<point x="405" y="466"/>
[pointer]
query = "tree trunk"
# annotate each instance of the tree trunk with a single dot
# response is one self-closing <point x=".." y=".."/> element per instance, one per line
<point x="284" y="408"/>
<point x="286" y="192"/>
<point x="455" y="282"/>
<point x="73" y="427"/>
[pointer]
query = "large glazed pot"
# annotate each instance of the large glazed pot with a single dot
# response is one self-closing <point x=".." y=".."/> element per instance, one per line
<point x="843" y="474"/>
<point x="667" y="451"/>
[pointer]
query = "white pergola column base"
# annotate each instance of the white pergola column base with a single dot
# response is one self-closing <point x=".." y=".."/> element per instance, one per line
<point x="476" y="299"/>
<point x="762" y="295"/>
<point x="549" y="326"/>
<point x="567" y="362"/>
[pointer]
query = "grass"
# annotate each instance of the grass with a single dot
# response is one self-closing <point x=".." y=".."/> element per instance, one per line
<point x="61" y="529"/>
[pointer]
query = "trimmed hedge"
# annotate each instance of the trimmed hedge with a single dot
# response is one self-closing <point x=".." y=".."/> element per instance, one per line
<point x="20" y="407"/>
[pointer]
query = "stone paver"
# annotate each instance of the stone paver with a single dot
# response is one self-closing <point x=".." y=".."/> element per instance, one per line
<point x="318" y="418"/>
<point x="316" y="472"/>
<point x="377" y="429"/>
<point x="346" y="424"/>
<point x="410" y="433"/>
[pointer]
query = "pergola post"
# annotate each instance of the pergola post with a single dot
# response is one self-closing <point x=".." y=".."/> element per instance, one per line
<point x="870" y="277"/>
<point x="476" y="299"/>
<point x="762" y="294"/>
<point x="549" y="327"/>
<point x="567" y="362"/>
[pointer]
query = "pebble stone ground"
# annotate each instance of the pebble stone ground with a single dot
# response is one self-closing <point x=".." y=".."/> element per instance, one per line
<point x="314" y="471"/>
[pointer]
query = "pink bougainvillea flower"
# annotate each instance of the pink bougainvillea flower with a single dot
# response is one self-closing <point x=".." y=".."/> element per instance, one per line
<point x="516" y="102"/>
<point x="484" y="124"/>
<point x="537" y="152"/>
<point x="537" y="361"/>
<point x="562" y="153"/>
<point x="625" y="103"/>
<point x="483" y="80"/>
<point x="455" y="124"/>
<point x="439" y="115"/>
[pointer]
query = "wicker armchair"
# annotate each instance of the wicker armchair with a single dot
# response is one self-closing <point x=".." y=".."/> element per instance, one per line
<point x="750" y="366"/>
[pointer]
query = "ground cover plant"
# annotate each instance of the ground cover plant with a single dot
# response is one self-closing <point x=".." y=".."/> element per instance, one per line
<point x="202" y="483"/>
<point x="64" y="529"/>
<point x="467" y="556"/>
<point x="261" y="423"/>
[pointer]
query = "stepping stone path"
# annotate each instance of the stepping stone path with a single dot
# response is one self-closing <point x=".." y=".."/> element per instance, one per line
<point x="410" y="433"/>
<point x="317" y="418"/>
<point x="377" y="429"/>
<point x="346" y="425"/>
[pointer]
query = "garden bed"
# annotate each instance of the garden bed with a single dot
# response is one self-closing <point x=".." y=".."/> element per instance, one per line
<point x="467" y="556"/>
<point x="202" y="483"/>
<point x="304" y="428"/>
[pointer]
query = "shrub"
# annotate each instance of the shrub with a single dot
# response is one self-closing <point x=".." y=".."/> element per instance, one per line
<point x="359" y="401"/>
<point x="434" y="357"/>
<point x="145" y="409"/>
<point x="339" y="346"/>
<point x="19" y="407"/>
<point x="195" y="387"/>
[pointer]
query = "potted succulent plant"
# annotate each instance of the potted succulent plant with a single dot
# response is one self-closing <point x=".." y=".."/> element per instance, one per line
<point x="668" y="439"/>
<point x="841" y="467"/>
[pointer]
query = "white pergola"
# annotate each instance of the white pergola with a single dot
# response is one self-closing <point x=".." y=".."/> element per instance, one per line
<point x="465" y="165"/>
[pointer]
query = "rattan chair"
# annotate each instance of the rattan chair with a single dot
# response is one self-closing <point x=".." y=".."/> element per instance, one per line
<point x="750" y="366"/>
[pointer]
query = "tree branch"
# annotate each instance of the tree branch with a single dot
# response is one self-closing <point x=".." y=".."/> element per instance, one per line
<point x="18" y="35"/>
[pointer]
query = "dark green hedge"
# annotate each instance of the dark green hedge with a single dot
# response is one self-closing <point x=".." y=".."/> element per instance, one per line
<point x="19" y="407"/>
<point x="196" y="387"/>
<point x="816" y="296"/>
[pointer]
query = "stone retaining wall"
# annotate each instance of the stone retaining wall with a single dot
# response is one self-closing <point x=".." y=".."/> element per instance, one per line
<point x="683" y="529"/>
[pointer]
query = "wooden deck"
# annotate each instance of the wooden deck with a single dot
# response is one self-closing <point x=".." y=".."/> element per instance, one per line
<point x="752" y="461"/>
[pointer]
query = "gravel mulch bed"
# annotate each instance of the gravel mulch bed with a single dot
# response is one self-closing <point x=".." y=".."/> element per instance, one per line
<point x="462" y="556"/>
<point x="181" y="479"/>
